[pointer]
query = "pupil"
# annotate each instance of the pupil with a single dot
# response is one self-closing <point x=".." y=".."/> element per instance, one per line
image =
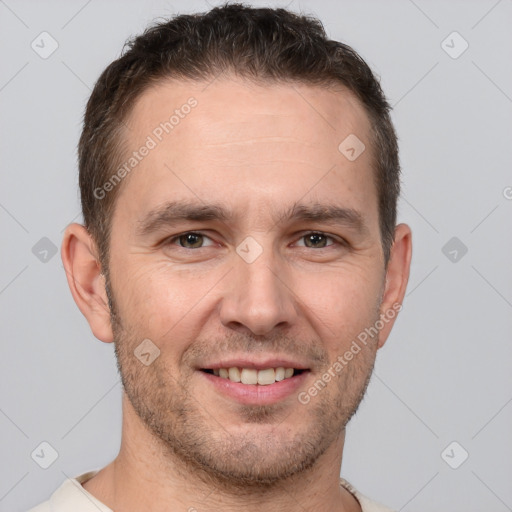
<point x="317" y="240"/>
<point x="191" y="240"/>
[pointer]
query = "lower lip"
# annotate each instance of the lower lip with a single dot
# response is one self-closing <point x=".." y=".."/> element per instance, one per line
<point x="257" y="394"/>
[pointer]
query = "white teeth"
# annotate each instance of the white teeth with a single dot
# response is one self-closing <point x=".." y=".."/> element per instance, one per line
<point x="249" y="376"/>
<point x="253" y="376"/>
<point x="266" y="377"/>
<point x="234" y="374"/>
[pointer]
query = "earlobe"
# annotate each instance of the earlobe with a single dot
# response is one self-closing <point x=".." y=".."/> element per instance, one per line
<point x="397" y="276"/>
<point x="85" y="280"/>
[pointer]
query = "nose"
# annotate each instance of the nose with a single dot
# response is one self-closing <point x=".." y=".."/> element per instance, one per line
<point x="258" y="298"/>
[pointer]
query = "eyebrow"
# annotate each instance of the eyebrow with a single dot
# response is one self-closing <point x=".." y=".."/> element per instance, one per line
<point x="324" y="212"/>
<point x="174" y="212"/>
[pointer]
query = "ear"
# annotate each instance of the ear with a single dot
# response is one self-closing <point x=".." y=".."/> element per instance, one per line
<point x="87" y="284"/>
<point x="397" y="276"/>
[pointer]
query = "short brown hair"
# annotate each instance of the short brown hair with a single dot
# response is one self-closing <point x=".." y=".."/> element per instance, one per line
<point x="261" y="44"/>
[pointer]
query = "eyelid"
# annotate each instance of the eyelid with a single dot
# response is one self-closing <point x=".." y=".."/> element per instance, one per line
<point x="333" y="238"/>
<point x="175" y="238"/>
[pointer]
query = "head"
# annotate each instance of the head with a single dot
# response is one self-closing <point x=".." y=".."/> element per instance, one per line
<point x="239" y="177"/>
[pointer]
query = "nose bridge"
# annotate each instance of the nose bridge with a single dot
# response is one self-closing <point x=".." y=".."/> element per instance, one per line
<point x="257" y="299"/>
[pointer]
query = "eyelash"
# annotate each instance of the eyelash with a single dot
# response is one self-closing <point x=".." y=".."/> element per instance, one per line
<point x="343" y="243"/>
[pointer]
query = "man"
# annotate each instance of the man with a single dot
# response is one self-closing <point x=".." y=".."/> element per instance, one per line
<point x="239" y="176"/>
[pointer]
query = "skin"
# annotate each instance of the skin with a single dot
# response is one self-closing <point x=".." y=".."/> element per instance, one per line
<point x="255" y="150"/>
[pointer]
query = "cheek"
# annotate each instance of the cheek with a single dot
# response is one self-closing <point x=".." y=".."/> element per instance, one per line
<point x="161" y="303"/>
<point x="341" y="304"/>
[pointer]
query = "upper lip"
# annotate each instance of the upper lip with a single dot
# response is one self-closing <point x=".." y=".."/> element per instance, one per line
<point x="260" y="364"/>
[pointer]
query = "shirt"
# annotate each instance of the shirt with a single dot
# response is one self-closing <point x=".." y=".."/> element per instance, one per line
<point x="72" y="497"/>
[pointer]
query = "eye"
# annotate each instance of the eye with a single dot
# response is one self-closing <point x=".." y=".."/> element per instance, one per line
<point x="316" y="240"/>
<point x="191" y="240"/>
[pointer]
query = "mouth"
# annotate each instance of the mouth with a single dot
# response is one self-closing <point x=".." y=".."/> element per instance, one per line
<point x="249" y="383"/>
<point x="254" y="376"/>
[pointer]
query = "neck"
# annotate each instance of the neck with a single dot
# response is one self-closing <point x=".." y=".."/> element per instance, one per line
<point x="145" y="476"/>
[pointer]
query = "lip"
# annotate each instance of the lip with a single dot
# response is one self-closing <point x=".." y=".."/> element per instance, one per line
<point x="256" y="365"/>
<point x="255" y="394"/>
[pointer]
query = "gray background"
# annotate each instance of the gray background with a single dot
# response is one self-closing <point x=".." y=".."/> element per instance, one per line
<point x="444" y="374"/>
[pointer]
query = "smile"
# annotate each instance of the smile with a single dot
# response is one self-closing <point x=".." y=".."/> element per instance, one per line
<point x="253" y="376"/>
<point x="263" y="385"/>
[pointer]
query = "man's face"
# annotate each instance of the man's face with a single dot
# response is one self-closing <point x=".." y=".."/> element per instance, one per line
<point x="253" y="288"/>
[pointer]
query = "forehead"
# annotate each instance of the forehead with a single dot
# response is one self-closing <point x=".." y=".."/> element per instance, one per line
<point x="235" y="141"/>
<point x="233" y="108"/>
